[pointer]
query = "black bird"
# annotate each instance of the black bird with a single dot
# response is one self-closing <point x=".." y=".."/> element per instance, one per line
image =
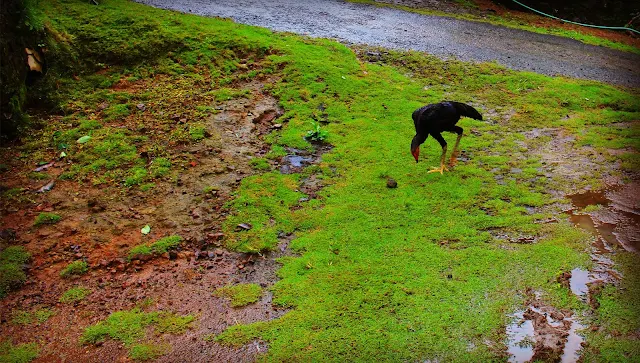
<point x="438" y="117"/>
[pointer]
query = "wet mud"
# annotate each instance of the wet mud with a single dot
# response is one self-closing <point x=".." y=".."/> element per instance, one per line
<point x="100" y="226"/>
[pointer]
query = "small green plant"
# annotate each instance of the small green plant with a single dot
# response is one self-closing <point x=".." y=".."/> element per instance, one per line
<point x="197" y="133"/>
<point x="74" y="294"/>
<point x="130" y="327"/>
<point x="46" y="218"/>
<point x="136" y="176"/>
<point x="160" y="246"/>
<point x="170" y="323"/>
<point x="260" y="164"/>
<point x="75" y="268"/>
<point x="240" y="295"/>
<point x="148" y="351"/>
<point x="316" y="133"/>
<point x="21" y="353"/>
<point x="11" y="272"/>
<point x="119" y="111"/>
<point x="160" y="167"/>
<point x="24" y="317"/>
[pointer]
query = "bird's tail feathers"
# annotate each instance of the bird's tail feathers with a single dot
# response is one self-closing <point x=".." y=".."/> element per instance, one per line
<point x="466" y="110"/>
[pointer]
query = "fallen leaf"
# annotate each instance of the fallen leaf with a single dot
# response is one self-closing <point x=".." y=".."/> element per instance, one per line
<point x="84" y="139"/>
<point x="145" y="230"/>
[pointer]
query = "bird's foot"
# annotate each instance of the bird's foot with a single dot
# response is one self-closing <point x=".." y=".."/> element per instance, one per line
<point x="440" y="170"/>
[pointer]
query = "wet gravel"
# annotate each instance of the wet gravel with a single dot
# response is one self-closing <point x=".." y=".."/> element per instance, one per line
<point x="441" y="36"/>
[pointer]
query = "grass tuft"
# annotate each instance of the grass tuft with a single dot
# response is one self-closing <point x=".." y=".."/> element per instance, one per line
<point x="74" y="294"/>
<point x="75" y="268"/>
<point x="46" y="218"/>
<point x="11" y="271"/>
<point x="240" y="295"/>
<point x="21" y="353"/>
<point x="158" y="247"/>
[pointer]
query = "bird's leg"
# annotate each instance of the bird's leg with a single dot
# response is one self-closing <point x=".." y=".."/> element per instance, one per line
<point x="442" y="168"/>
<point x="454" y="155"/>
<point x="443" y="144"/>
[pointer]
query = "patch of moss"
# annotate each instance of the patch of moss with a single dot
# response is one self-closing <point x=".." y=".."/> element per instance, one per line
<point x="260" y="164"/>
<point x="46" y="218"/>
<point x="241" y="294"/>
<point x="148" y="351"/>
<point x="75" y="268"/>
<point x="11" y="271"/>
<point x="129" y="327"/>
<point x="24" y="317"/>
<point x="74" y="294"/>
<point x="158" y="247"/>
<point x="174" y="324"/>
<point x="21" y="353"/>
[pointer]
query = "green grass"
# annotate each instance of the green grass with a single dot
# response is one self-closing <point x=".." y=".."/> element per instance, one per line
<point x="130" y="328"/>
<point x="74" y="294"/>
<point x="516" y="23"/>
<point x="23" y="317"/>
<point x="75" y="268"/>
<point x="46" y="218"/>
<point x="405" y="274"/>
<point x="240" y="295"/>
<point x="158" y="247"/>
<point x="21" y="353"/>
<point x="11" y="272"/>
<point x="147" y="351"/>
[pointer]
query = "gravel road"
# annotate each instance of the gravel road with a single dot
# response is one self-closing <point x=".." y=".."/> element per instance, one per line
<point x="441" y="36"/>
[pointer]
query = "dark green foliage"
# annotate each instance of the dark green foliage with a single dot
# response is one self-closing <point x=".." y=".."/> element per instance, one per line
<point x="11" y="271"/>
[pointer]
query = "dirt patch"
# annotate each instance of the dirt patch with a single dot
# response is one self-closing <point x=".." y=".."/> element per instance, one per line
<point x="101" y="225"/>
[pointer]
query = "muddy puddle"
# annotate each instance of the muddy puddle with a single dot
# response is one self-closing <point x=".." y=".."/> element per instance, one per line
<point x="612" y="216"/>
<point x="298" y="159"/>
<point x="541" y="332"/>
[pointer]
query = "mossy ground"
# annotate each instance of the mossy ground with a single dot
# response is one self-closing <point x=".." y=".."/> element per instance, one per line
<point x="411" y="273"/>
<point x="75" y="294"/>
<point x="240" y="295"/>
<point x="12" y="274"/>
<point x="75" y="268"/>
<point x="130" y="328"/>
<point x="19" y="353"/>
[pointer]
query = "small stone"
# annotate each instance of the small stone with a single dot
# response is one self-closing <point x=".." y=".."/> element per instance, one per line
<point x="141" y="106"/>
<point x="211" y="254"/>
<point x="244" y="227"/>
<point x="219" y="251"/>
<point x="391" y="183"/>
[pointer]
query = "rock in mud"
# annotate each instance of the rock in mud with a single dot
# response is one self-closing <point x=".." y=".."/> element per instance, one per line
<point x="392" y="183"/>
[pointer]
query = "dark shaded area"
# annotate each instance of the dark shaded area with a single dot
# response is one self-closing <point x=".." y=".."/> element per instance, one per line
<point x="594" y="12"/>
<point x="19" y="31"/>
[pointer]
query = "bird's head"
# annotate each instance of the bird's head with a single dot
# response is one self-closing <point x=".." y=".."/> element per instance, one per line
<point x="415" y="151"/>
<point x="415" y="146"/>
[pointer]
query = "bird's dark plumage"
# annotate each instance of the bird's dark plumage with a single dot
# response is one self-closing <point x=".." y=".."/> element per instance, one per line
<point x="436" y="118"/>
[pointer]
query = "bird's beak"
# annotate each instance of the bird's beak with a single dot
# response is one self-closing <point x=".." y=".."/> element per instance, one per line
<point x="416" y="153"/>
